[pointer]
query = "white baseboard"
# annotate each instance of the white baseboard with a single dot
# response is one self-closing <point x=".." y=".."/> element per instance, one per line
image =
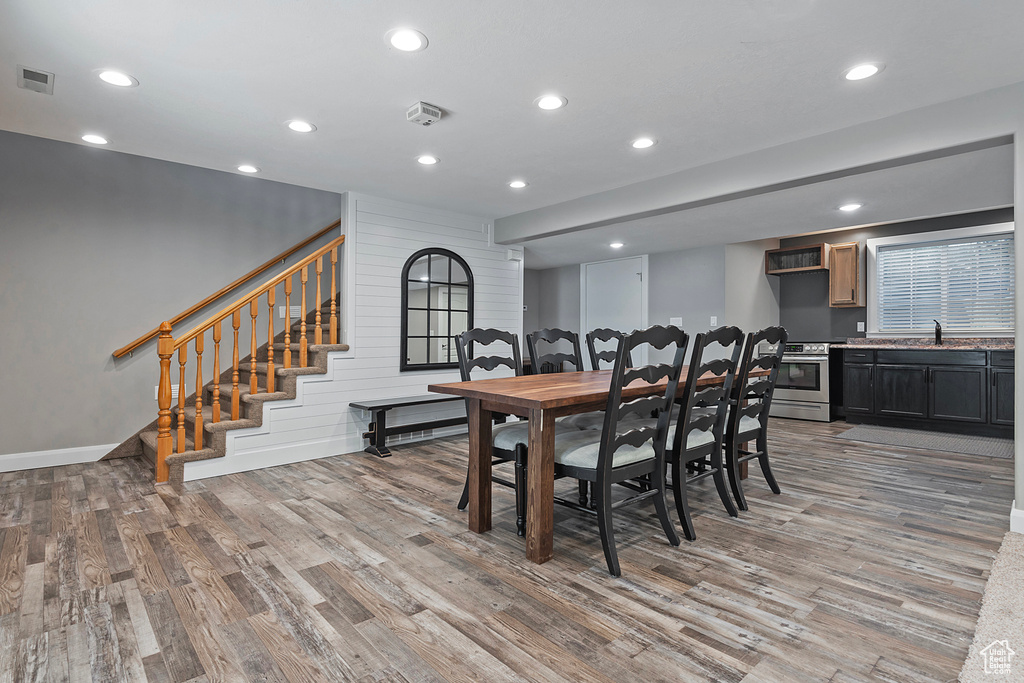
<point x="1016" y="519"/>
<point x="12" y="462"/>
<point x="271" y="457"/>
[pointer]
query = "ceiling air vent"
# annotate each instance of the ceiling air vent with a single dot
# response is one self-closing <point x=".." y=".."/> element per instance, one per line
<point x="423" y="113"/>
<point x="34" y="79"/>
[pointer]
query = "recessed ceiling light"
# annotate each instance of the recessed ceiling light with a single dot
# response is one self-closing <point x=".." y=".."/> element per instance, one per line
<point x="301" y="126"/>
<point x="518" y="184"/>
<point x="406" y="39"/>
<point x="852" y="206"/>
<point x="118" y="78"/>
<point x="248" y="168"/>
<point x="862" y="71"/>
<point x="95" y="139"/>
<point x="427" y="160"/>
<point x="550" y="102"/>
<point x="616" y="245"/>
<point x="643" y="143"/>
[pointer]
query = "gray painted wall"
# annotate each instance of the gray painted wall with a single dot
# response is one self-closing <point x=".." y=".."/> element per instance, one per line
<point x="98" y="247"/>
<point x="803" y="297"/>
<point x="726" y="281"/>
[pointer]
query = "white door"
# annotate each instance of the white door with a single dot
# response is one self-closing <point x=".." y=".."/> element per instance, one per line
<point x="613" y="294"/>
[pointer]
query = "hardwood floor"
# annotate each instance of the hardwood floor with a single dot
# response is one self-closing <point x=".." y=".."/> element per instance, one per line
<point x="869" y="566"/>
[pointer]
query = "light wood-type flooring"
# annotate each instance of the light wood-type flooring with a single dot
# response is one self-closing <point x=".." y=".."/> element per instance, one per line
<point x="869" y="566"/>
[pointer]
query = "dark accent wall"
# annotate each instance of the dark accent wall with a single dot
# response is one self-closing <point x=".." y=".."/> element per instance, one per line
<point x="803" y="297"/>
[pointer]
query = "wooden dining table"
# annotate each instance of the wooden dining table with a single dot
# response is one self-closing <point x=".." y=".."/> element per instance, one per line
<point x="540" y="399"/>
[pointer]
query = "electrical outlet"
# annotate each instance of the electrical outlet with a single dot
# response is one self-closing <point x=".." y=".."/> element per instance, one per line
<point x="860" y="327"/>
<point x="678" y="322"/>
<point x="714" y="320"/>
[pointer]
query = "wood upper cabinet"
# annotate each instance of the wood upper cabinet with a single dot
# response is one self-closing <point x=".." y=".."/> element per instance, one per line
<point x="844" y="275"/>
<point x="796" y="259"/>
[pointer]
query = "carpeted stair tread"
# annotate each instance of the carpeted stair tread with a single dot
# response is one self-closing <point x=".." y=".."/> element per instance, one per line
<point x="224" y="424"/>
<point x="149" y="440"/>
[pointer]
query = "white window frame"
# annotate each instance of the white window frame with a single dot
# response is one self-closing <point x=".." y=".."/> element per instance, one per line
<point x="920" y="238"/>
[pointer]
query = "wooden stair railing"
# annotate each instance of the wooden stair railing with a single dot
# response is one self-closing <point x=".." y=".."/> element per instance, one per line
<point x="167" y="345"/>
<point x="129" y="348"/>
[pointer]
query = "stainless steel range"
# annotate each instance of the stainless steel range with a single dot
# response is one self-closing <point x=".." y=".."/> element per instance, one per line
<point x="802" y="388"/>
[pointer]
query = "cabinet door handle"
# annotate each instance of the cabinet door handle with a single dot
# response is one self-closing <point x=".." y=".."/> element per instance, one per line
<point x="853" y="294"/>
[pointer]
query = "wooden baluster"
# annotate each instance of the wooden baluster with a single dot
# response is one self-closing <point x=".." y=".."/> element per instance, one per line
<point x="334" y="296"/>
<point x="253" y="378"/>
<point x="165" y="349"/>
<point x="318" y="334"/>
<point x="182" y="359"/>
<point x="215" y="401"/>
<point x="288" y="322"/>
<point x="270" y="343"/>
<point x="236" y="322"/>
<point x="199" y="392"/>
<point x="303" y="276"/>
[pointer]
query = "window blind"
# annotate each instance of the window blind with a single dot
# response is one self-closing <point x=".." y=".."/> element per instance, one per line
<point x="966" y="284"/>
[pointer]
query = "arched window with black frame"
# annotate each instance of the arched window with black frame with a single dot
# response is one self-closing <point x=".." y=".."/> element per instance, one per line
<point x="437" y="303"/>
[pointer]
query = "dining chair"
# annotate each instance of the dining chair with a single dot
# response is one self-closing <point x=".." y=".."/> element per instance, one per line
<point x="543" y="356"/>
<point x="509" y="440"/>
<point x="540" y="345"/>
<point x="699" y="430"/>
<point x="606" y="355"/>
<point x="626" y="450"/>
<point x="750" y="402"/>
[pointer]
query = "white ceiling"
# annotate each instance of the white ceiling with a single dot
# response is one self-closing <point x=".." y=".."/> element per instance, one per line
<point x="965" y="182"/>
<point x="709" y="80"/>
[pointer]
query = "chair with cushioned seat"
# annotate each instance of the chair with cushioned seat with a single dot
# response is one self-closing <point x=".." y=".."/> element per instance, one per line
<point x="625" y="450"/>
<point x="541" y="345"/>
<point x="605" y="356"/>
<point x="750" y="403"/>
<point x="699" y="430"/>
<point x="510" y="440"/>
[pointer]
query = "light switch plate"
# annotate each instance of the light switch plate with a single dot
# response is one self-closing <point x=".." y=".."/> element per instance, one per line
<point x="860" y="327"/>
<point x="714" y="320"/>
<point x="678" y="322"/>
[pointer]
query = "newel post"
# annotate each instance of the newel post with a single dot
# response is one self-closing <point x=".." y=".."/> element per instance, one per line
<point x="164" y="444"/>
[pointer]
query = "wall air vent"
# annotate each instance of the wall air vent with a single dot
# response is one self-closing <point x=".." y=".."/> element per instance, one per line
<point x="423" y="113"/>
<point x="34" y="79"/>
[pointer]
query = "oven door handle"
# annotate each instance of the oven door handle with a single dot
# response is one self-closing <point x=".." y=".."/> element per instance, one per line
<point x="804" y="359"/>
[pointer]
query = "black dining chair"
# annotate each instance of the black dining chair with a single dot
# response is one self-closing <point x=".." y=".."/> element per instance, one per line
<point x="750" y="402"/>
<point x="542" y="346"/>
<point x="605" y="356"/>
<point x="510" y="440"/>
<point x="624" y="451"/>
<point x="699" y="431"/>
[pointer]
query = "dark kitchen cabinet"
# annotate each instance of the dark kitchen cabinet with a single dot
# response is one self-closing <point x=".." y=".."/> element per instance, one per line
<point x="901" y="390"/>
<point x="1001" y="412"/>
<point x="958" y="394"/>
<point x="858" y="395"/>
<point x="966" y="391"/>
<point x="1001" y="388"/>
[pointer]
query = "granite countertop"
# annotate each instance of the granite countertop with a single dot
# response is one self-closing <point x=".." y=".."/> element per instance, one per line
<point x="927" y="344"/>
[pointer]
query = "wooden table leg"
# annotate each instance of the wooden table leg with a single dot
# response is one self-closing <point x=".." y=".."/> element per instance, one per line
<point x="540" y="487"/>
<point x="743" y="468"/>
<point x="479" y="467"/>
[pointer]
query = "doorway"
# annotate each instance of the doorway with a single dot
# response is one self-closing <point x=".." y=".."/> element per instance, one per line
<point x="613" y="294"/>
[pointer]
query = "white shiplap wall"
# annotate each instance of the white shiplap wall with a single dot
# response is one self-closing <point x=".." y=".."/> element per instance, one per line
<point x="380" y="237"/>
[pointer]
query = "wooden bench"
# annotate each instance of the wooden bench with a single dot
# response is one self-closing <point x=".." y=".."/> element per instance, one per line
<point x="379" y="431"/>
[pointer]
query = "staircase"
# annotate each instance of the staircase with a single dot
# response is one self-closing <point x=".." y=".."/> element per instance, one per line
<point x="196" y="427"/>
<point x="250" y="405"/>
